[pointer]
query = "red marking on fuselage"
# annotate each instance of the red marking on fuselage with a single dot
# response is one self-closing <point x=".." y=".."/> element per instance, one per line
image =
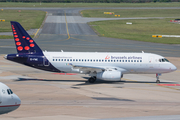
<point x="107" y="57"/>
<point x="10" y="105"/>
<point x="23" y="37"/>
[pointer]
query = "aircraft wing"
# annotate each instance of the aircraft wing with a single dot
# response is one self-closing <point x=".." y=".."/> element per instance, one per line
<point x="89" y="69"/>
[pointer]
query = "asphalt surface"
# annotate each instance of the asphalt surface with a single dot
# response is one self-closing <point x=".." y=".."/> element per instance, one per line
<point x="64" y="29"/>
<point x="47" y="96"/>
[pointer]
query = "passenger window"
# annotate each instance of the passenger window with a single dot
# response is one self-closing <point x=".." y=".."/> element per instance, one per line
<point x="88" y="60"/>
<point x="159" y="60"/>
<point x="76" y="59"/>
<point x="108" y="60"/>
<point x="85" y="60"/>
<point x="119" y="60"/>
<point x="91" y="60"/>
<point x="73" y="59"/>
<point x="134" y="60"/>
<point x="67" y="59"/>
<point x="64" y="59"/>
<point x="105" y="60"/>
<point x="96" y="60"/>
<point x="61" y="59"/>
<point x="137" y="60"/>
<point x="111" y="60"/>
<point x="82" y="59"/>
<point x="79" y="59"/>
<point x="99" y="60"/>
<point x="102" y="60"/>
<point x="53" y="59"/>
<point x="131" y="60"/>
<point x="56" y="59"/>
<point x="122" y="60"/>
<point x="114" y="60"/>
<point x="140" y="60"/>
<point x="70" y="59"/>
<point x="128" y="60"/>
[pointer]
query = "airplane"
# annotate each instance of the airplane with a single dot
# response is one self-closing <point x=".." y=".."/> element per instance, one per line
<point x="8" y="100"/>
<point x="106" y="66"/>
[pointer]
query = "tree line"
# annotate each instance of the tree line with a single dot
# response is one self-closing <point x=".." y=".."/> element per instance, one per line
<point x="91" y="1"/>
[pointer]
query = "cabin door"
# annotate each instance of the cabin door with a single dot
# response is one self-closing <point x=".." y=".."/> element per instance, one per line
<point x="151" y="62"/>
<point x="46" y="61"/>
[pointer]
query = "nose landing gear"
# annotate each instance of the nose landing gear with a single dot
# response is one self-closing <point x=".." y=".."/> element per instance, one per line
<point x="157" y="76"/>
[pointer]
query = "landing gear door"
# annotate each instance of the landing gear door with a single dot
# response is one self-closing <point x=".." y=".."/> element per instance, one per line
<point x="46" y="61"/>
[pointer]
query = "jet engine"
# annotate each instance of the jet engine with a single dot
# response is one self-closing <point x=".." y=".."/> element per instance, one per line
<point x="111" y="75"/>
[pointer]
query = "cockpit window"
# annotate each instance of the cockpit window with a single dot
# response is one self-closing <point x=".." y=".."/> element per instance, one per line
<point x="10" y="91"/>
<point x="166" y="60"/>
<point x="163" y="60"/>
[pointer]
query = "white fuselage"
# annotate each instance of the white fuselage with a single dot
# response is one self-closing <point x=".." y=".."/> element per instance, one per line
<point x="8" y="100"/>
<point x="145" y="63"/>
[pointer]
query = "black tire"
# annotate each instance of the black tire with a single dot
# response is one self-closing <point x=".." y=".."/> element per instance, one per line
<point x="91" y="80"/>
<point x="157" y="81"/>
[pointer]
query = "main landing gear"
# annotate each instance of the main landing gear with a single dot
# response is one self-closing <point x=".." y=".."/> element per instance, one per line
<point x="157" y="76"/>
<point x="92" y="79"/>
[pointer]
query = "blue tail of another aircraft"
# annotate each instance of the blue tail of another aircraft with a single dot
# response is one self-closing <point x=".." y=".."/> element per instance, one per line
<point x="28" y="52"/>
<point x="23" y="41"/>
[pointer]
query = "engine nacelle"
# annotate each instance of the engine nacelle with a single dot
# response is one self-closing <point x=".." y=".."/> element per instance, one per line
<point x="109" y="75"/>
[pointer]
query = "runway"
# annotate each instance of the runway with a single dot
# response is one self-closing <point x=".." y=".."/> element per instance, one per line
<point x="47" y="96"/>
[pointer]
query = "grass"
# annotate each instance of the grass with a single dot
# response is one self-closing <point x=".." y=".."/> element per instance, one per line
<point x="140" y="30"/>
<point x="132" y="13"/>
<point x="157" y="4"/>
<point x="29" y="19"/>
<point x="10" y="36"/>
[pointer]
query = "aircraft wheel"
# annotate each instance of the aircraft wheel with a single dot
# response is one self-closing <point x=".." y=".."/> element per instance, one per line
<point x="92" y="79"/>
<point x="157" y="81"/>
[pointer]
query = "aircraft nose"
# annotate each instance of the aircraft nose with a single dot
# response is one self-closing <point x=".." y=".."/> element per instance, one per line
<point x="173" y="67"/>
<point x="17" y="100"/>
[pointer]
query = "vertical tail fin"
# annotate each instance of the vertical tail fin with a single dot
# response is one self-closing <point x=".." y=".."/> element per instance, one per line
<point x="23" y="41"/>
